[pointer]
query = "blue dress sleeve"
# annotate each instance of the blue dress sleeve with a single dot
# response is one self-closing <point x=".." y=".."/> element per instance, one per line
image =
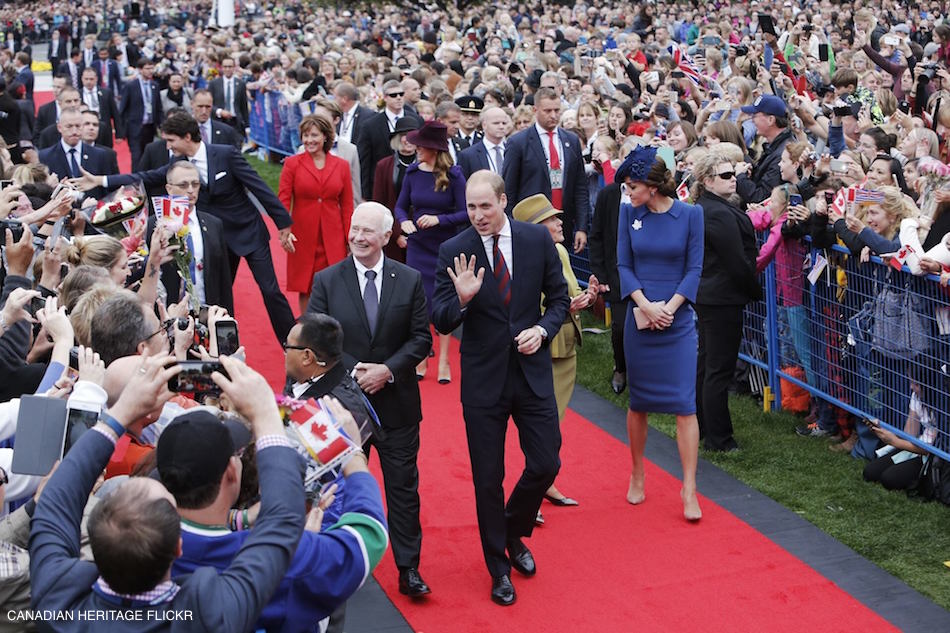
<point x="457" y="186"/>
<point x="695" y="245"/>
<point x="404" y="202"/>
<point x="628" y="278"/>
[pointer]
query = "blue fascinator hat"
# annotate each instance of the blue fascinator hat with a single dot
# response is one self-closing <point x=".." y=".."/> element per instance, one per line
<point x="637" y="165"/>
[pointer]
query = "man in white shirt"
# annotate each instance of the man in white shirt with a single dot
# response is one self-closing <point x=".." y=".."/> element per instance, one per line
<point x="230" y="97"/>
<point x="488" y="153"/>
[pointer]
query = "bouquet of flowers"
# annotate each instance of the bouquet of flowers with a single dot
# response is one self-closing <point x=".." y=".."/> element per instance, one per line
<point x="317" y="437"/>
<point x="172" y="213"/>
<point x="122" y="214"/>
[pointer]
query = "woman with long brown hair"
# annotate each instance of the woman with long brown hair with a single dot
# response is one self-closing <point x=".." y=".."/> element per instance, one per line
<point x="430" y="209"/>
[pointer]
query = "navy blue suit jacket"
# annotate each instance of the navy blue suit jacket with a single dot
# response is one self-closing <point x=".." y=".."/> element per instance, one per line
<point x="25" y="77"/>
<point x="132" y="107"/>
<point x="90" y="158"/>
<point x="113" y="78"/>
<point x="227" y="195"/>
<point x="526" y="174"/>
<point x="473" y="158"/>
<point x="488" y="339"/>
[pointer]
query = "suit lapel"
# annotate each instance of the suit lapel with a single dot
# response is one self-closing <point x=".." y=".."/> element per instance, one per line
<point x="211" y="171"/>
<point x="565" y="150"/>
<point x="517" y="244"/>
<point x="348" y="272"/>
<point x="390" y="279"/>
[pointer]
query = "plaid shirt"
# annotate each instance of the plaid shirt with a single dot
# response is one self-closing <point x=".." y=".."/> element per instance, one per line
<point x="162" y="592"/>
<point x="13" y="560"/>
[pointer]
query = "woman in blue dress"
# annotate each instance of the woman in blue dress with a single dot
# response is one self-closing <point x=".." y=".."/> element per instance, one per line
<point x="660" y="257"/>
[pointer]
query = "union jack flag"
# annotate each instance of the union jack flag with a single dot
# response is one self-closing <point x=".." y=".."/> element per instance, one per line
<point x="685" y="64"/>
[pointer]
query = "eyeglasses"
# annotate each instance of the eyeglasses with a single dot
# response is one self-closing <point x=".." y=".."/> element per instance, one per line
<point x="163" y="330"/>
<point x="727" y="175"/>
<point x="4" y="478"/>
<point x="191" y="184"/>
<point x="288" y="346"/>
<point x="394" y="95"/>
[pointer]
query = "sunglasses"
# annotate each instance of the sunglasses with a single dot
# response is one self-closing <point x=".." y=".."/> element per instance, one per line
<point x="727" y="175"/>
<point x="288" y="346"/>
<point x="394" y="95"/>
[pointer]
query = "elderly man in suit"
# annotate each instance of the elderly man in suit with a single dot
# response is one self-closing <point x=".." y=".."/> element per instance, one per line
<point x="384" y="351"/>
<point x="140" y="109"/>
<point x="489" y="151"/>
<point x="227" y="184"/>
<point x="563" y="182"/>
<point x="211" y="274"/>
<point x="230" y="97"/>
<point x="492" y="278"/>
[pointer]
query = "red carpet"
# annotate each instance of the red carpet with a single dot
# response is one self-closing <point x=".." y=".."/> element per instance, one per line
<point x="603" y="566"/>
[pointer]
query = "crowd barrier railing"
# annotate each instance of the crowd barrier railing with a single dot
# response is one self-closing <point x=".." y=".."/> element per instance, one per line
<point x="853" y="335"/>
<point x="274" y="121"/>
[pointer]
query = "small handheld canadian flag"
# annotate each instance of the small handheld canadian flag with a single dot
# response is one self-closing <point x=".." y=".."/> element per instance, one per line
<point x="900" y="257"/>
<point x="682" y="192"/>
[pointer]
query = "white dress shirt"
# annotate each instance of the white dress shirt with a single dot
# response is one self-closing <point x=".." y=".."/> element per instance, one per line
<point x="346" y="124"/>
<point x="361" y="275"/>
<point x="200" y="160"/>
<point x="197" y="239"/>
<point x="300" y="388"/>
<point x="504" y="244"/>
<point x="490" y="148"/>
<point x="91" y="98"/>
<point x="545" y="141"/>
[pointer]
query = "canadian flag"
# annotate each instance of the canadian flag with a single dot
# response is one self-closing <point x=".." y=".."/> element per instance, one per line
<point x="901" y="256"/>
<point x="682" y="192"/>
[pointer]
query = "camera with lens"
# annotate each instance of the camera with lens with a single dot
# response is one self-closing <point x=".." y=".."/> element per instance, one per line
<point x="742" y="50"/>
<point x="928" y="73"/>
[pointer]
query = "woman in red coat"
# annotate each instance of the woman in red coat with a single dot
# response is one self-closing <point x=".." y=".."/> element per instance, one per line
<point x="315" y="187"/>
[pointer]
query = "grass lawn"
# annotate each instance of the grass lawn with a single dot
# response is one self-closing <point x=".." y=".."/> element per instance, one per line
<point x="908" y="538"/>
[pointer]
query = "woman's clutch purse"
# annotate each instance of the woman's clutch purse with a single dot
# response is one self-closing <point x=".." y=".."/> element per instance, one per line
<point x="643" y="322"/>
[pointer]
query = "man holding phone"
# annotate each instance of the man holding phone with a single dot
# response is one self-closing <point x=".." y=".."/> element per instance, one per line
<point x="770" y="116"/>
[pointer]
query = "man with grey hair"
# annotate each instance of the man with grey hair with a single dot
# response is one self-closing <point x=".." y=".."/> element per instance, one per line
<point x="373" y="144"/>
<point x="383" y="353"/>
<point x="353" y="115"/>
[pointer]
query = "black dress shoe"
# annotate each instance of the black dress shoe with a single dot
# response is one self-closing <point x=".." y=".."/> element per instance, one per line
<point x="412" y="584"/>
<point x="561" y="501"/>
<point x="502" y="591"/>
<point x="521" y="558"/>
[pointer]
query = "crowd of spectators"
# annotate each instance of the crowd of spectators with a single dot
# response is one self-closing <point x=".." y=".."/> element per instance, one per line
<point x="818" y="125"/>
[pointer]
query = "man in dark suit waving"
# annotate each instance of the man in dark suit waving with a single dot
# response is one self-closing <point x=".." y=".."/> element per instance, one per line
<point x="492" y="277"/>
<point x="228" y="184"/>
<point x="563" y="182"/>
<point x="384" y="351"/>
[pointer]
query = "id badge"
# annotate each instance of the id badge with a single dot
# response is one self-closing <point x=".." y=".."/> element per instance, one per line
<point x="557" y="176"/>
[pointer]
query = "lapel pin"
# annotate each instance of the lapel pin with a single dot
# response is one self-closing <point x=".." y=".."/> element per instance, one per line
<point x="567" y="145"/>
<point x="392" y="275"/>
<point x="85" y="156"/>
<point x="637" y="225"/>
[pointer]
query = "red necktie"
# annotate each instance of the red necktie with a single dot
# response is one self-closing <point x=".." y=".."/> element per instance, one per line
<point x="556" y="194"/>
<point x="105" y="77"/>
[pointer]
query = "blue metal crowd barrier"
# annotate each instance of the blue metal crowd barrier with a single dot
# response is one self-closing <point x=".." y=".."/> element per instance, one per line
<point x="860" y="333"/>
<point x="274" y="121"/>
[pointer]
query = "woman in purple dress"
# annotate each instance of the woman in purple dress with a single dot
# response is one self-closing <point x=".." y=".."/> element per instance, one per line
<point x="430" y="210"/>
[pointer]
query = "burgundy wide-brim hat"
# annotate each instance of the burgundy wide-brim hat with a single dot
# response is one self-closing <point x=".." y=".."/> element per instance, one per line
<point x="432" y="135"/>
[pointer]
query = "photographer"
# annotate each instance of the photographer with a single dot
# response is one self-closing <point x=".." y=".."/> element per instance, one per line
<point x="135" y="532"/>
